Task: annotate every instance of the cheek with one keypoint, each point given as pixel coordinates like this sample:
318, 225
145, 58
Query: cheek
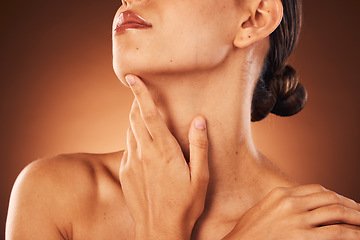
194, 42
196, 47
200, 53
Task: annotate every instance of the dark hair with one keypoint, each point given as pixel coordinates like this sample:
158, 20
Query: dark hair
278, 90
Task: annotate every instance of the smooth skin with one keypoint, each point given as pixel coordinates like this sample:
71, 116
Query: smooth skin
150, 191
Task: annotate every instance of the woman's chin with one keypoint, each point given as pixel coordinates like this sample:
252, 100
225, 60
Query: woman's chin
122, 69
125, 69
121, 76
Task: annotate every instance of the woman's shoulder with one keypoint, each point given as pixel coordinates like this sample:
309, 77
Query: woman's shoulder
52, 190
84, 171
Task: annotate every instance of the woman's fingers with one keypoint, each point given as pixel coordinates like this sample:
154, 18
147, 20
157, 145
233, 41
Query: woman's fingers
149, 112
140, 131
314, 196
303, 190
199, 151
336, 232
321, 199
333, 214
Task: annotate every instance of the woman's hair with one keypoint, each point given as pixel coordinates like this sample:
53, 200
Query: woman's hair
278, 90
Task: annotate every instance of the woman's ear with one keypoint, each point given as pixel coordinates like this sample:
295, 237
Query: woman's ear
263, 17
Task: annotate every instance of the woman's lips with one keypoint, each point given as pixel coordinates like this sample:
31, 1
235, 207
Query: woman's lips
130, 20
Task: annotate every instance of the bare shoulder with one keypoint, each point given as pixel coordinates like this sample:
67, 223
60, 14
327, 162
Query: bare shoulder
53, 196
81, 172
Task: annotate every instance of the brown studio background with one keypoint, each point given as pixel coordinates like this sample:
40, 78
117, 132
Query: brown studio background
59, 93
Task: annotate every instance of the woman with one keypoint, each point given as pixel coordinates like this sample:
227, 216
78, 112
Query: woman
190, 169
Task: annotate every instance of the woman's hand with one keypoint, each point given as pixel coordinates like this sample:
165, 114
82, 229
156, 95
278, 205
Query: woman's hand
165, 194
308, 212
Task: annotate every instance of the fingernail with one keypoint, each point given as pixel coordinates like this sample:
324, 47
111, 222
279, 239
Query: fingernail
130, 79
200, 123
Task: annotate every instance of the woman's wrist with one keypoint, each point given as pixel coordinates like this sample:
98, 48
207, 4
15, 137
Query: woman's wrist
168, 230
161, 233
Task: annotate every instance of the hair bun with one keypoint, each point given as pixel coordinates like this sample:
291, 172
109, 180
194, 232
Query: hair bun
289, 94
281, 95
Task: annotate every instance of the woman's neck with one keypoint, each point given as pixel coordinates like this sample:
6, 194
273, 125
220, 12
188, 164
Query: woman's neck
223, 97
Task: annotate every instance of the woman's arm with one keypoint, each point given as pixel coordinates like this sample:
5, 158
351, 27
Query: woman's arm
164, 193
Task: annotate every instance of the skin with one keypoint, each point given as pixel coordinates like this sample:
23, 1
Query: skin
175, 180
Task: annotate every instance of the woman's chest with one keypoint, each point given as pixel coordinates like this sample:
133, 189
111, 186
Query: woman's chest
111, 221
115, 223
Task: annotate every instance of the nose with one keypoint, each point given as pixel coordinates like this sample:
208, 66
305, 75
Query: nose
129, 3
